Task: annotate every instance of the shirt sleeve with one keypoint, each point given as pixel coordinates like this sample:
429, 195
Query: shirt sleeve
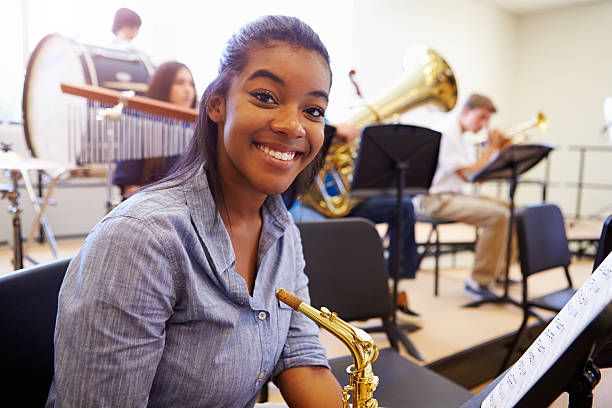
302, 347
453, 155
114, 302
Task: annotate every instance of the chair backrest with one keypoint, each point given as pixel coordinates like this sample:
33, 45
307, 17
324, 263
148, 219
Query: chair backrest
346, 267
605, 242
28, 307
542, 240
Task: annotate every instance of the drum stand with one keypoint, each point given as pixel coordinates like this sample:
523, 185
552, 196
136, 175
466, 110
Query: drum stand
40, 205
12, 193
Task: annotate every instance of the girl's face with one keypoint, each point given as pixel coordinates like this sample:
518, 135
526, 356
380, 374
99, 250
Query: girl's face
182, 91
271, 120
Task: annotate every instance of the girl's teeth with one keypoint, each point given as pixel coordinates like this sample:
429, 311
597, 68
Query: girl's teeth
277, 155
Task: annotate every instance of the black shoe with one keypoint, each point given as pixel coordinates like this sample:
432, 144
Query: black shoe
502, 282
407, 311
406, 315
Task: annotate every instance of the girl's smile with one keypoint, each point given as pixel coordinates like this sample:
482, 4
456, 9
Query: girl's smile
281, 157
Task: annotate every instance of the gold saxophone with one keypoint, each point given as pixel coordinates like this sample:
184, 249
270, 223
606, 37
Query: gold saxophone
362, 381
428, 80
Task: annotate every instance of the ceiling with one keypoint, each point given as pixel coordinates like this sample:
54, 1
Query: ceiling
525, 7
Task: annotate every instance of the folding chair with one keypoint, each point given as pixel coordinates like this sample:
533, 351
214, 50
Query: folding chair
434, 223
348, 274
28, 307
543, 245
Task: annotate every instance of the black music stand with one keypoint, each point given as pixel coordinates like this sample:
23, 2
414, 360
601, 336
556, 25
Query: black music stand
573, 372
509, 165
396, 159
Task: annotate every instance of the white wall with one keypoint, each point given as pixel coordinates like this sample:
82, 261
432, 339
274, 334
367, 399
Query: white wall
476, 39
564, 68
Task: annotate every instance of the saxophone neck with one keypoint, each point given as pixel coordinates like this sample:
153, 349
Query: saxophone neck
361, 345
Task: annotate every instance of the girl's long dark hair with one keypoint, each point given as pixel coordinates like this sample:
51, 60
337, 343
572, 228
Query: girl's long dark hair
203, 146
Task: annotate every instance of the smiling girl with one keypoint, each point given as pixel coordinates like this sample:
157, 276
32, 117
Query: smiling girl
170, 301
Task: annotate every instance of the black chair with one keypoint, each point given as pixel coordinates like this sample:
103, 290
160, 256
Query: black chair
28, 307
603, 359
348, 274
605, 242
543, 245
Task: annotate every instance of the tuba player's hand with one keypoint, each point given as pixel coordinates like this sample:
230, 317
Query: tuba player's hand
346, 131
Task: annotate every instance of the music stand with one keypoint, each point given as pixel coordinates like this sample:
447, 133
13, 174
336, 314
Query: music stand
509, 164
563, 358
396, 159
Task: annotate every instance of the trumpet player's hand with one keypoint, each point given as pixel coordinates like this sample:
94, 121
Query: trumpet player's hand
498, 140
346, 131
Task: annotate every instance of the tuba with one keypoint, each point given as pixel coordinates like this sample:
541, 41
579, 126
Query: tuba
363, 382
429, 80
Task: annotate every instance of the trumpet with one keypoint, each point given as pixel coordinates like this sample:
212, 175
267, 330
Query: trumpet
362, 381
540, 121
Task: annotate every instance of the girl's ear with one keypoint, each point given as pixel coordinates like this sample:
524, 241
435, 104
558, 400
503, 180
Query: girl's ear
216, 109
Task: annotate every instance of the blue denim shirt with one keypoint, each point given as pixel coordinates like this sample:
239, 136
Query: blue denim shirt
153, 313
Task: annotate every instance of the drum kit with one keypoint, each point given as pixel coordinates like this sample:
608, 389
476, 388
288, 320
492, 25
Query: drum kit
16, 167
50, 117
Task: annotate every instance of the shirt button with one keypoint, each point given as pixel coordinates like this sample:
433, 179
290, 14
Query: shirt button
262, 315
262, 375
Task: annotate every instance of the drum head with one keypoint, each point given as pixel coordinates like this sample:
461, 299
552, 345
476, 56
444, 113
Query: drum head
45, 108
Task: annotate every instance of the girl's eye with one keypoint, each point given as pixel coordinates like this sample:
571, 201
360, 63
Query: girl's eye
315, 112
264, 96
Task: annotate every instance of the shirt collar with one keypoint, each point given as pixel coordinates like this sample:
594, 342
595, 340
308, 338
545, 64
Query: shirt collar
211, 229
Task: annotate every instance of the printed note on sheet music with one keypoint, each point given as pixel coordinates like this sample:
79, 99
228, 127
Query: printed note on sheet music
576, 315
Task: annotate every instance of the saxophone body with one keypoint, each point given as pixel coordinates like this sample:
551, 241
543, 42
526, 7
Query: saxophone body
362, 382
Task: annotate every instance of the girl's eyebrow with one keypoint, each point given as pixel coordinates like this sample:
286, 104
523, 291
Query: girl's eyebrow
264, 73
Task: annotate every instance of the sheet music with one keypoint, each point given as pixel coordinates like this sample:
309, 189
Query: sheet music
576, 315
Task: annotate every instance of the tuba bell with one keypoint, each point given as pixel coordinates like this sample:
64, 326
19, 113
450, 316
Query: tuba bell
429, 80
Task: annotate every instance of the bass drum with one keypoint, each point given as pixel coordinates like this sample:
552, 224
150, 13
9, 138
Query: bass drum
49, 114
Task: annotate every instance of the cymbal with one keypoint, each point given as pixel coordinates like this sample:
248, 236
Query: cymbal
14, 161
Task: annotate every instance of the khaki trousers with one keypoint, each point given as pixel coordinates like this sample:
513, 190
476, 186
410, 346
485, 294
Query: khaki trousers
491, 216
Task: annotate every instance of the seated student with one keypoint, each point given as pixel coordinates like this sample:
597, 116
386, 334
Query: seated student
378, 210
448, 199
172, 82
171, 302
